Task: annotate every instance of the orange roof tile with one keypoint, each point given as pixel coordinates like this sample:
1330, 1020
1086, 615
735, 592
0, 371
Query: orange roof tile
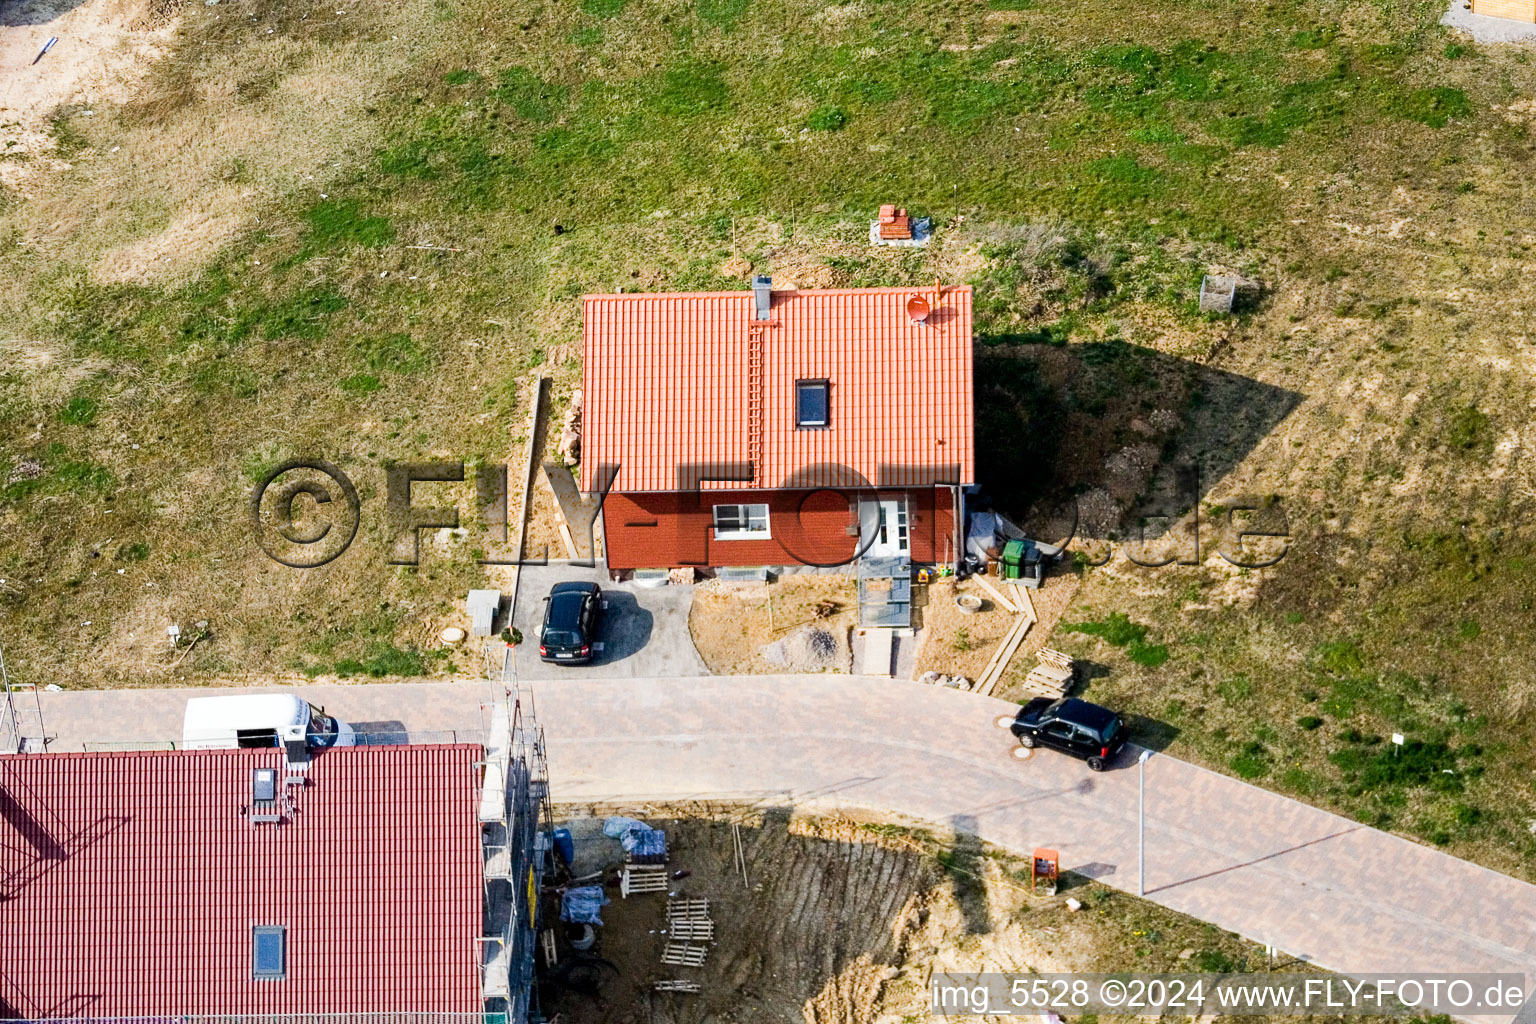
669, 382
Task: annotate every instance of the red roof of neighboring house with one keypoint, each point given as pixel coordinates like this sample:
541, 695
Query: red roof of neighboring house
669, 381
130, 883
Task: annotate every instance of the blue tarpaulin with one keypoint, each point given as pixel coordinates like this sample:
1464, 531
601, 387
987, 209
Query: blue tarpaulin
614, 828
581, 905
645, 842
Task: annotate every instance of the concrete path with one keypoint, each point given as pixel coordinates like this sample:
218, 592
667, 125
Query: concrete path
644, 631
1315, 885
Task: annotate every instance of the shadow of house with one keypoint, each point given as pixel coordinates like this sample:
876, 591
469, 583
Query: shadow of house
1105, 440
17, 13
626, 627
963, 863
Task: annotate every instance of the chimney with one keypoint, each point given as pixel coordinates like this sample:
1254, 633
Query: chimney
762, 297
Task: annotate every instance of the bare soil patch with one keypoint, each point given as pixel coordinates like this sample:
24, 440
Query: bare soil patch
955, 643
733, 623
105, 47
842, 920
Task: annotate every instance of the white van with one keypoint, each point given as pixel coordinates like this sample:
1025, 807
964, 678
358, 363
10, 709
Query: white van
260, 720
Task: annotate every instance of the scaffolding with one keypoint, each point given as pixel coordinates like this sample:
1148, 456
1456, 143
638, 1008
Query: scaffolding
21, 716
516, 829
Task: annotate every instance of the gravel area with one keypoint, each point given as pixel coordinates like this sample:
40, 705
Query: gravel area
1485, 29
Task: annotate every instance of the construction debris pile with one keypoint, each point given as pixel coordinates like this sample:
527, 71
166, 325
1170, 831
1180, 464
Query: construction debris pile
940, 679
806, 649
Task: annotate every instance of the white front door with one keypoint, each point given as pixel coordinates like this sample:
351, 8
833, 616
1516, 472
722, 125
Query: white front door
883, 524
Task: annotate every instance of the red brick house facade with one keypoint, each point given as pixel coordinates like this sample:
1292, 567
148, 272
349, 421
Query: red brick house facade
789, 428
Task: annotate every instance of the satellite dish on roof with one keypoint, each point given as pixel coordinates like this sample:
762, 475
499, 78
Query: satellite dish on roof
918, 309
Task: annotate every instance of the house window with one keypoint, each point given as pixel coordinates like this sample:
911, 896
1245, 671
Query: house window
741, 522
812, 404
269, 957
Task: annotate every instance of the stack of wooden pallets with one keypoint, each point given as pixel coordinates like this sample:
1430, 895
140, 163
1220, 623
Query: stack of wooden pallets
688, 927
1052, 677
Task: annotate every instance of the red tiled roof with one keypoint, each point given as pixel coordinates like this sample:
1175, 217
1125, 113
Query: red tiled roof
130, 882
669, 381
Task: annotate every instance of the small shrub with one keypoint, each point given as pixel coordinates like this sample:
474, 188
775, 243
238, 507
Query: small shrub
1309, 722
603, 8
1468, 629
461, 77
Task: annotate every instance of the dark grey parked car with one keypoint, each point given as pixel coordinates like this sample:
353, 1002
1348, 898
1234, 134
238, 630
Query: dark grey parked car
1073, 727
573, 613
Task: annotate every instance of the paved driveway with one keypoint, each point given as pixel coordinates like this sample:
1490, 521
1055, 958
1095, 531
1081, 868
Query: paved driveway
1313, 884
644, 632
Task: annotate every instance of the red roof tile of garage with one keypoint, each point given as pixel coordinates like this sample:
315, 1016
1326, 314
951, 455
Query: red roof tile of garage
130, 882
667, 383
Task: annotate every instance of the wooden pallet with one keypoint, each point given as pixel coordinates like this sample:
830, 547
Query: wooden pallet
691, 931
684, 954
1053, 676
638, 878
677, 985
683, 909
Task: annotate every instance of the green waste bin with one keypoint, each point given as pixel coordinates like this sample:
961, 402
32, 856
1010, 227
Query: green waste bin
1013, 559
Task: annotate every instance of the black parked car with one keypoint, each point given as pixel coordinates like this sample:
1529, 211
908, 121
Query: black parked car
572, 614
1072, 726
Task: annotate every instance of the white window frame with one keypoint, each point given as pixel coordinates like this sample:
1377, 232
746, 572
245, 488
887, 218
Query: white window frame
740, 522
